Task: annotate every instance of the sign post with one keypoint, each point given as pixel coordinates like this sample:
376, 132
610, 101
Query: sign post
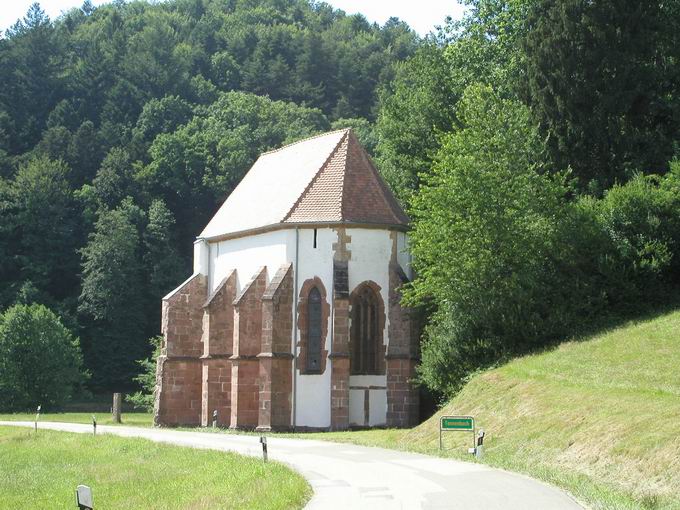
457, 424
117, 408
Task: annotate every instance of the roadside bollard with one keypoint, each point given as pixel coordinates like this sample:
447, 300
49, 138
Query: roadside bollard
84, 498
37, 415
263, 440
215, 419
479, 450
94, 425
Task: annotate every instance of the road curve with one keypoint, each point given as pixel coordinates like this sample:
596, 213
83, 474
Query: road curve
350, 477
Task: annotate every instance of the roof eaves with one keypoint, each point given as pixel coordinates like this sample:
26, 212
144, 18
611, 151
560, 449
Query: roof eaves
400, 226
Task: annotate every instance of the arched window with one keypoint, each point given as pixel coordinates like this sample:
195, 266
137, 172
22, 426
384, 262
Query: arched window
366, 335
314, 331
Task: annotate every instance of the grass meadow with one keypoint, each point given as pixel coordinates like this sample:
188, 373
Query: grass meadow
42, 471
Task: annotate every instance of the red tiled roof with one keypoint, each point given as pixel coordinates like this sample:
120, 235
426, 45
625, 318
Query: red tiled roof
325, 179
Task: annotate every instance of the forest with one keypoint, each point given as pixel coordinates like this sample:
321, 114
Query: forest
532, 142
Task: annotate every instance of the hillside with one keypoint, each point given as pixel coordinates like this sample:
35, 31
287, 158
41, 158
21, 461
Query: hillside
607, 409
599, 417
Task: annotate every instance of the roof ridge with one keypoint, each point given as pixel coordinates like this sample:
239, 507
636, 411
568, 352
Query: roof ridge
317, 174
303, 140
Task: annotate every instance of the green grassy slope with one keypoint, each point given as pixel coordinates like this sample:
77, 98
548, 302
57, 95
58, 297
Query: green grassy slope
46, 467
606, 409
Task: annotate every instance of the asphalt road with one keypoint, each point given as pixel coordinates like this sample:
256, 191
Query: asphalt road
352, 477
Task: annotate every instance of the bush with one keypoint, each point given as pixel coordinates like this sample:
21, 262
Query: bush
642, 222
144, 399
40, 360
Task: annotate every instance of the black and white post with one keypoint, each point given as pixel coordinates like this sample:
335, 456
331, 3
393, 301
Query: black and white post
84, 498
263, 440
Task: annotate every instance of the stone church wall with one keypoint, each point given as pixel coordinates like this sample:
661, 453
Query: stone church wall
228, 342
179, 371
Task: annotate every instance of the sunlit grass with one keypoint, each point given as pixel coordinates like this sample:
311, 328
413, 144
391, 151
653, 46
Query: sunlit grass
131, 419
42, 471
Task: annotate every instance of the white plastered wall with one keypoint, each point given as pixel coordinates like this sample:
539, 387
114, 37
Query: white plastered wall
371, 252
248, 254
313, 402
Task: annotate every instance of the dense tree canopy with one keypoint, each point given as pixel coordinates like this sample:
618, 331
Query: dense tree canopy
123, 127
518, 139
603, 82
485, 224
420, 104
534, 143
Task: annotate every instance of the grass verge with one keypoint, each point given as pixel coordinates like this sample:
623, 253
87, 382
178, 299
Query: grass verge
131, 419
42, 471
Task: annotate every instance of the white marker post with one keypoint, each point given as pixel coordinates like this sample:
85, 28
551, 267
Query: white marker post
479, 450
84, 497
37, 416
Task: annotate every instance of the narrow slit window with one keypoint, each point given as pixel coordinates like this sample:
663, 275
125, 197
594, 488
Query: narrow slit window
314, 238
314, 331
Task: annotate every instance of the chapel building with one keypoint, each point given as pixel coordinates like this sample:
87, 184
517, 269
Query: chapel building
292, 317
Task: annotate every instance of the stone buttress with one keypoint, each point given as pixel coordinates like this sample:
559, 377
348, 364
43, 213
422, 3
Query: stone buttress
178, 374
218, 333
227, 352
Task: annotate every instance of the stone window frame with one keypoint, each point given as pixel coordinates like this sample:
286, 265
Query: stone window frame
379, 365
303, 324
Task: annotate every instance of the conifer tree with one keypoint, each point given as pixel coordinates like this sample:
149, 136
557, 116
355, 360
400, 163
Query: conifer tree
42, 218
111, 300
602, 82
161, 260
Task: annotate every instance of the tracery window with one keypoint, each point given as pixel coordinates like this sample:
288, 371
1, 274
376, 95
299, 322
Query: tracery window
366, 336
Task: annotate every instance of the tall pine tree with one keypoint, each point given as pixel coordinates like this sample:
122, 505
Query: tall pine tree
42, 218
161, 259
111, 300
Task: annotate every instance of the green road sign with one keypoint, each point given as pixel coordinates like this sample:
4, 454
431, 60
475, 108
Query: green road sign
464, 423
